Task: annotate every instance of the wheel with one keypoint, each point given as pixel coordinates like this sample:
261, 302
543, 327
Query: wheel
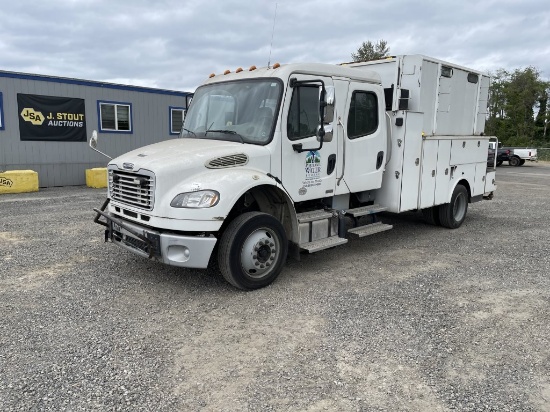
499, 162
521, 162
252, 250
514, 161
431, 215
452, 214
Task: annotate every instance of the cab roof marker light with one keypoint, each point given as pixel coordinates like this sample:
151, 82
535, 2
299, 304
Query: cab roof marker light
240, 69
212, 75
276, 65
252, 68
227, 72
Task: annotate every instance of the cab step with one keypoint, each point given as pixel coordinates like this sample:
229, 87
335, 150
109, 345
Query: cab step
322, 244
366, 210
371, 229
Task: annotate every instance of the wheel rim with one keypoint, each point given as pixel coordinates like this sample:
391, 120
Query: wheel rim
459, 208
260, 252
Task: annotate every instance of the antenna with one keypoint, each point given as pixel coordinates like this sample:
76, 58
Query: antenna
272, 33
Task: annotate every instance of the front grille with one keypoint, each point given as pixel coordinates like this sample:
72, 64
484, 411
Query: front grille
133, 189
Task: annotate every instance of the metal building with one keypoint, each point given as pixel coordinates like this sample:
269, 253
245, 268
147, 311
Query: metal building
45, 123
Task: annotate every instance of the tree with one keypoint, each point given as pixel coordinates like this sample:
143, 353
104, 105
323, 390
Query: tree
369, 51
541, 122
514, 96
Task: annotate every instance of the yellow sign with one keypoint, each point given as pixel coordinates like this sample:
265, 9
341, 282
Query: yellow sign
29, 115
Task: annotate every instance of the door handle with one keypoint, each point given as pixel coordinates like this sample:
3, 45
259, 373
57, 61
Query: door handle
379, 159
331, 165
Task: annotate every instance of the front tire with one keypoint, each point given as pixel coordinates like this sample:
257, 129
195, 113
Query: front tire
499, 162
252, 250
451, 215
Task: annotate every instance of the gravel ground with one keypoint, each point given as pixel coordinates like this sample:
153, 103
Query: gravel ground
418, 318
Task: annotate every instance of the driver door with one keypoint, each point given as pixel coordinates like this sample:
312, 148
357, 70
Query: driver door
310, 174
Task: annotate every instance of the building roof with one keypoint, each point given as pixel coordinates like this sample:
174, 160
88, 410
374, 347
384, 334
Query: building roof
90, 83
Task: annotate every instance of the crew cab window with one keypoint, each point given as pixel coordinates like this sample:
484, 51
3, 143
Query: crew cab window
363, 114
303, 115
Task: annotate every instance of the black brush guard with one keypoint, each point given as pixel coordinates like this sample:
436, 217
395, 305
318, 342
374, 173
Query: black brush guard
150, 243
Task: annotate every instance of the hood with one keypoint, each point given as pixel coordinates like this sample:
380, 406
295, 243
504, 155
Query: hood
183, 154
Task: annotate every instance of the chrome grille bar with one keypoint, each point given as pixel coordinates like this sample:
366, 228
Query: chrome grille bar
133, 189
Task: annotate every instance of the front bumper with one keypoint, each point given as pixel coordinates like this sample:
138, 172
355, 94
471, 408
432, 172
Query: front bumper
170, 248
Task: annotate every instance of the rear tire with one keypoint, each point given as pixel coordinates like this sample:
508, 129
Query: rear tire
252, 250
514, 161
431, 215
521, 162
451, 215
499, 162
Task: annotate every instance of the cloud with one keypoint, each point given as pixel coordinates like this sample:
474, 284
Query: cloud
177, 44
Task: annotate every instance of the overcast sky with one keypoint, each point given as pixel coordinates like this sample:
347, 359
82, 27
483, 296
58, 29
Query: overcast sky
177, 44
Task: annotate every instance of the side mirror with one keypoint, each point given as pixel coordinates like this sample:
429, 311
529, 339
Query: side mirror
93, 140
327, 136
326, 111
329, 100
93, 144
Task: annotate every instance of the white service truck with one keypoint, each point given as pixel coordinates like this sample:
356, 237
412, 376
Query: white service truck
300, 158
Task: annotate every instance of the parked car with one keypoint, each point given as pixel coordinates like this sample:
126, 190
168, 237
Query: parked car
514, 156
518, 156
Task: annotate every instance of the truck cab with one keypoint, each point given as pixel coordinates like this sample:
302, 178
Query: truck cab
292, 158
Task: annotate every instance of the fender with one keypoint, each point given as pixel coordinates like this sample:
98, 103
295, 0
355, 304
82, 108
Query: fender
461, 175
231, 184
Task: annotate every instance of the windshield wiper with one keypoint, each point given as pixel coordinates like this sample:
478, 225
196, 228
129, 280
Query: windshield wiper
232, 132
188, 131
221, 131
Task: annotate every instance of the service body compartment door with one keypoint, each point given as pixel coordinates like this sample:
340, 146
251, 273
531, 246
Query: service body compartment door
401, 181
310, 174
410, 178
479, 182
443, 172
469, 149
428, 179
490, 182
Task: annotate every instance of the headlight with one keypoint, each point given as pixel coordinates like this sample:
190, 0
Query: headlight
196, 200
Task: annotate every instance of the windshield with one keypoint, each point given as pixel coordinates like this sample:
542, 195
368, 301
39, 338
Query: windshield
241, 111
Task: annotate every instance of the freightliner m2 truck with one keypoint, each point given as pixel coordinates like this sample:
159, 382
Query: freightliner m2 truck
300, 158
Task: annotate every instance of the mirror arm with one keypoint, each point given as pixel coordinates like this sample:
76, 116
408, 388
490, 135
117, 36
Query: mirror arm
93, 144
107, 156
297, 147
